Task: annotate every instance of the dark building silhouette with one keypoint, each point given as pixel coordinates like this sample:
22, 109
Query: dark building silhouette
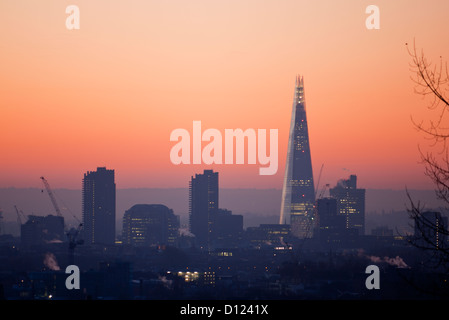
350, 203
117, 277
99, 206
431, 230
150, 224
331, 224
40, 230
267, 234
203, 205
212, 226
382, 231
298, 194
226, 229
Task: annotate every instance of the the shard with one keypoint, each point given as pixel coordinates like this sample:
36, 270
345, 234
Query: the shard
298, 193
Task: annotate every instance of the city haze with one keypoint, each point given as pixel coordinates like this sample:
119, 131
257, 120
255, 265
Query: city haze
256, 205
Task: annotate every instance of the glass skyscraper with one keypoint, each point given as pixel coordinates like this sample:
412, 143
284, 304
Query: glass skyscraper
298, 193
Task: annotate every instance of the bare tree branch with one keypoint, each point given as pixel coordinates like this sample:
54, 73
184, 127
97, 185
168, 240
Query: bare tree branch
430, 80
432, 83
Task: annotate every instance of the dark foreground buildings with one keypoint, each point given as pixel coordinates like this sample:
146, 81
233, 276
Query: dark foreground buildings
38, 230
264, 262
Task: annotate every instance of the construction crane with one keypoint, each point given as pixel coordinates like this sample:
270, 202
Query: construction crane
72, 234
52, 197
20, 215
1, 221
319, 178
323, 191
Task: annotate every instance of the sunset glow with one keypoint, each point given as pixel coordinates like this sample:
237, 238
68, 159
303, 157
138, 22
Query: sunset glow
110, 93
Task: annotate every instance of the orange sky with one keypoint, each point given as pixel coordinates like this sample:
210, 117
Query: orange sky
110, 93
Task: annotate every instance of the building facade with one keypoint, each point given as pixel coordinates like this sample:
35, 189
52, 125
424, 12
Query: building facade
331, 225
150, 224
268, 234
203, 205
99, 201
350, 203
227, 229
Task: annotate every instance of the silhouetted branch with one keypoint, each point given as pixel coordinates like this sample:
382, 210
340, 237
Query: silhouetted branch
430, 237
431, 82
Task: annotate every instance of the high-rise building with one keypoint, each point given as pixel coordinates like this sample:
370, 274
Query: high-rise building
203, 205
298, 193
99, 206
350, 203
150, 224
431, 229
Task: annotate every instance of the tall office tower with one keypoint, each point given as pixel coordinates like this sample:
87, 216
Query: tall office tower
431, 229
350, 203
203, 205
298, 193
99, 207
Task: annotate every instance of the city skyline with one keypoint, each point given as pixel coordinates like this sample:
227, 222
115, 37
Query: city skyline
63, 91
151, 249
183, 174
219, 258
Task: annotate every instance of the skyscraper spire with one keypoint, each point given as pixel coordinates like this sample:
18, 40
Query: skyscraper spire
299, 91
298, 193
